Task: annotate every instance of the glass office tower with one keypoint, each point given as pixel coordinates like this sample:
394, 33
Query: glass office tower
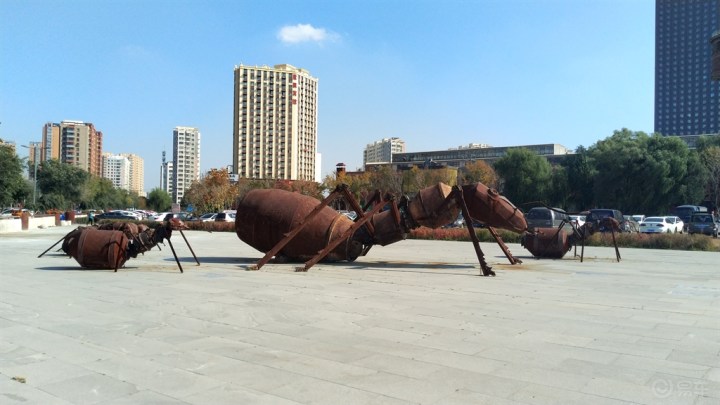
687, 100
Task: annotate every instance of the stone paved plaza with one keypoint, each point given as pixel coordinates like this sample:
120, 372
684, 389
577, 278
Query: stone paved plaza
411, 323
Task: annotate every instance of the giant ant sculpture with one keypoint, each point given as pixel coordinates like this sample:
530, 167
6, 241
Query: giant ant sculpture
110, 245
556, 242
300, 228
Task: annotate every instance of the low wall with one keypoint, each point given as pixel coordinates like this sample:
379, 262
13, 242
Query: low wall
8, 225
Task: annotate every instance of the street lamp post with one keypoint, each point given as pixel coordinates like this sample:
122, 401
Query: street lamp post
35, 159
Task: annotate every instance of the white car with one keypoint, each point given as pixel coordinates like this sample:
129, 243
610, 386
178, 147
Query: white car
677, 224
578, 220
660, 225
159, 217
207, 217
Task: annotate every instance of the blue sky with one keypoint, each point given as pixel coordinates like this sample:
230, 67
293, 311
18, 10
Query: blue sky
437, 74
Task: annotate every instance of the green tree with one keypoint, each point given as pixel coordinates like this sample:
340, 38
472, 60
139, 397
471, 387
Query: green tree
12, 183
99, 193
636, 172
710, 158
159, 200
580, 174
524, 176
61, 184
559, 190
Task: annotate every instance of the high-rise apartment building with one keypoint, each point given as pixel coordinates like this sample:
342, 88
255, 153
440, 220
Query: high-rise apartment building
116, 168
186, 160
74, 142
687, 101
166, 175
34, 158
275, 123
137, 173
50, 141
381, 151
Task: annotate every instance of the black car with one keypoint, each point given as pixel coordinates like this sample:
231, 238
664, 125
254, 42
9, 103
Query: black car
597, 214
704, 223
183, 216
115, 215
543, 217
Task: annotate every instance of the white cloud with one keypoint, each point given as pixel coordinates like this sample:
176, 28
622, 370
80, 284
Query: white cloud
293, 34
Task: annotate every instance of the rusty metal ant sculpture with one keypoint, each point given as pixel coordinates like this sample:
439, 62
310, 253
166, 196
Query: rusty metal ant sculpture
300, 228
110, 245
556, 242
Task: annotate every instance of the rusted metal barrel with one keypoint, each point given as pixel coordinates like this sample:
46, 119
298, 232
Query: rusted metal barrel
70, 242
425, 208
387, 228
100, 249
25, 220
547, 242
489, 207
264, 217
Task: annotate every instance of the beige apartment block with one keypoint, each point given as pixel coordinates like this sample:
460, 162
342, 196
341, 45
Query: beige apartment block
74, 142
50, 141
137, 173
275, 123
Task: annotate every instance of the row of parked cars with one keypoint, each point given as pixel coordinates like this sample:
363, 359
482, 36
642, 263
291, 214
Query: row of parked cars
699, 222
225, 216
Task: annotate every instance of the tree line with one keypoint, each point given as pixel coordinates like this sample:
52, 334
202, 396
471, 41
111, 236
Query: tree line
630, 171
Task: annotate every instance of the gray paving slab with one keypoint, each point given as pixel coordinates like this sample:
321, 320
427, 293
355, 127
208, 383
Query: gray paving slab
411, 323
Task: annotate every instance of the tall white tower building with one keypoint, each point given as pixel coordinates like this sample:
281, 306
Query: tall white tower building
186, 160
275, 123
116, 168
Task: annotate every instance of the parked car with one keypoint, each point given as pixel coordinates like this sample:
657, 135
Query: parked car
638, 218
183, 216
685, 211
657, 225
116, 215
350, 214
703, 223
459, 222
629, 224
7, 213
15, 212
225, 217
678, 224
578, 220
160, 216
543, 217
595, 215
210, 216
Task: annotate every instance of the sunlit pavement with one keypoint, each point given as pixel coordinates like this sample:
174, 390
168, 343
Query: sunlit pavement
409, 323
